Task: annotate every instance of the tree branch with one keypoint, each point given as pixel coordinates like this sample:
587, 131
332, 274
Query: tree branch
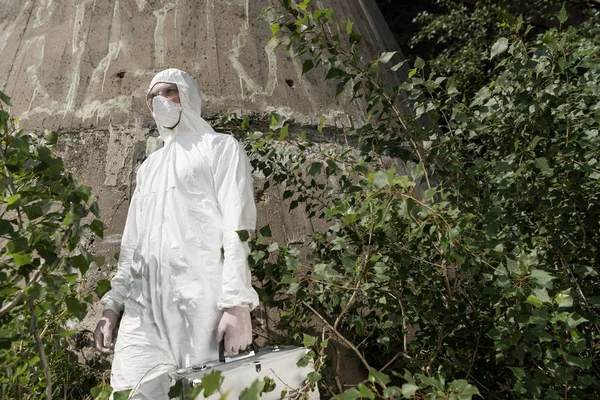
339, 335
40, 344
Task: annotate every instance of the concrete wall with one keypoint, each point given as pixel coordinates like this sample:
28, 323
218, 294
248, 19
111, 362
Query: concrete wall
86, 63
82, 67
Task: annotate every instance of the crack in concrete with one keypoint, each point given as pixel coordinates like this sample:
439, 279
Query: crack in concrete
159, 33
18, 47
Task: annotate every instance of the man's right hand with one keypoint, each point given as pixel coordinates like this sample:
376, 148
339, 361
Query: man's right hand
103, 335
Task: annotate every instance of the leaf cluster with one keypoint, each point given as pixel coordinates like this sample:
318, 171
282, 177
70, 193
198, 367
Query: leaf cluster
44, 214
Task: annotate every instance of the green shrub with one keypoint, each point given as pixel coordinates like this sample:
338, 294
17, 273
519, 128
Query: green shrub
477, 273
44, 212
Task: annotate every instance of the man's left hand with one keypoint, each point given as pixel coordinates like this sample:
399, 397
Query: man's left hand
236, 327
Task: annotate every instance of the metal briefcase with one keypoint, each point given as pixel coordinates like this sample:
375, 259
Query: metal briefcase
239, 372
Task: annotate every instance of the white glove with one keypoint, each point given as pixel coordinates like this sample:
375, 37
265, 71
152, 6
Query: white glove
237, 324
104, 332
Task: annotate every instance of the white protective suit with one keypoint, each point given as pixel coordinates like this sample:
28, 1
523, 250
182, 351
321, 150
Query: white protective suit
181, 260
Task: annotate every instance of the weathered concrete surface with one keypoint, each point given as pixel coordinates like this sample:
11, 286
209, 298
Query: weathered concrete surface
86, 63
81, 67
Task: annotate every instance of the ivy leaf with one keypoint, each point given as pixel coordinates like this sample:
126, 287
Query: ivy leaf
81, 262
386, 57
265, 231
269, 385
307, 66
355, 38
75, 307
394, 392
51, 137
364, 392
195, 392
283, 133
398, 66
21, 259
574, 320
542, 164
176, 390
466, 391
102, 286
517, 372
122, 394
277, 120
14, 200
5, 99
212, 382
409, 390
97, 227
534, 301
334, 72
482, 95
309, 340
314, 376
6, 227
499, 47
564, 299
244, 235
378, 377
315, 168
253, 392
542, 278
563, 15
102, 392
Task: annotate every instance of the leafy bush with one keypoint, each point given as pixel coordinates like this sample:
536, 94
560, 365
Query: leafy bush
43, 214
478, 271
459, 38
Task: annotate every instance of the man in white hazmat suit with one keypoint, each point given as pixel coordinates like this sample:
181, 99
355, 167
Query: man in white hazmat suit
183, 280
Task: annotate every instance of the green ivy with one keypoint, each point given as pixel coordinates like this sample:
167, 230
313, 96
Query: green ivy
44, 214
476, 273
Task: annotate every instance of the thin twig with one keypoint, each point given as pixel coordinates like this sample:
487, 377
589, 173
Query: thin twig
137, 386
7, 307
474, 353
338, 356
425, 206
404, 323
40, 344
356, 289
386, 366
339, 335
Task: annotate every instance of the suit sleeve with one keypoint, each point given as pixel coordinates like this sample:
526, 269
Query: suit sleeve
114, 299
235, 196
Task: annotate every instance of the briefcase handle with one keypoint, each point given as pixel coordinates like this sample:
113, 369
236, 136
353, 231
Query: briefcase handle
224, 359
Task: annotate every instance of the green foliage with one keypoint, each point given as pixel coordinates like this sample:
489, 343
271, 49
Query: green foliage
459, 38
44, 212
473, 272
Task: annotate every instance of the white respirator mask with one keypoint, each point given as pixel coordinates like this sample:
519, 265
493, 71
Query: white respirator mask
166, 112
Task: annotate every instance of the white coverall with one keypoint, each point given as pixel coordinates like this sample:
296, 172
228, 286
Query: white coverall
181, 261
